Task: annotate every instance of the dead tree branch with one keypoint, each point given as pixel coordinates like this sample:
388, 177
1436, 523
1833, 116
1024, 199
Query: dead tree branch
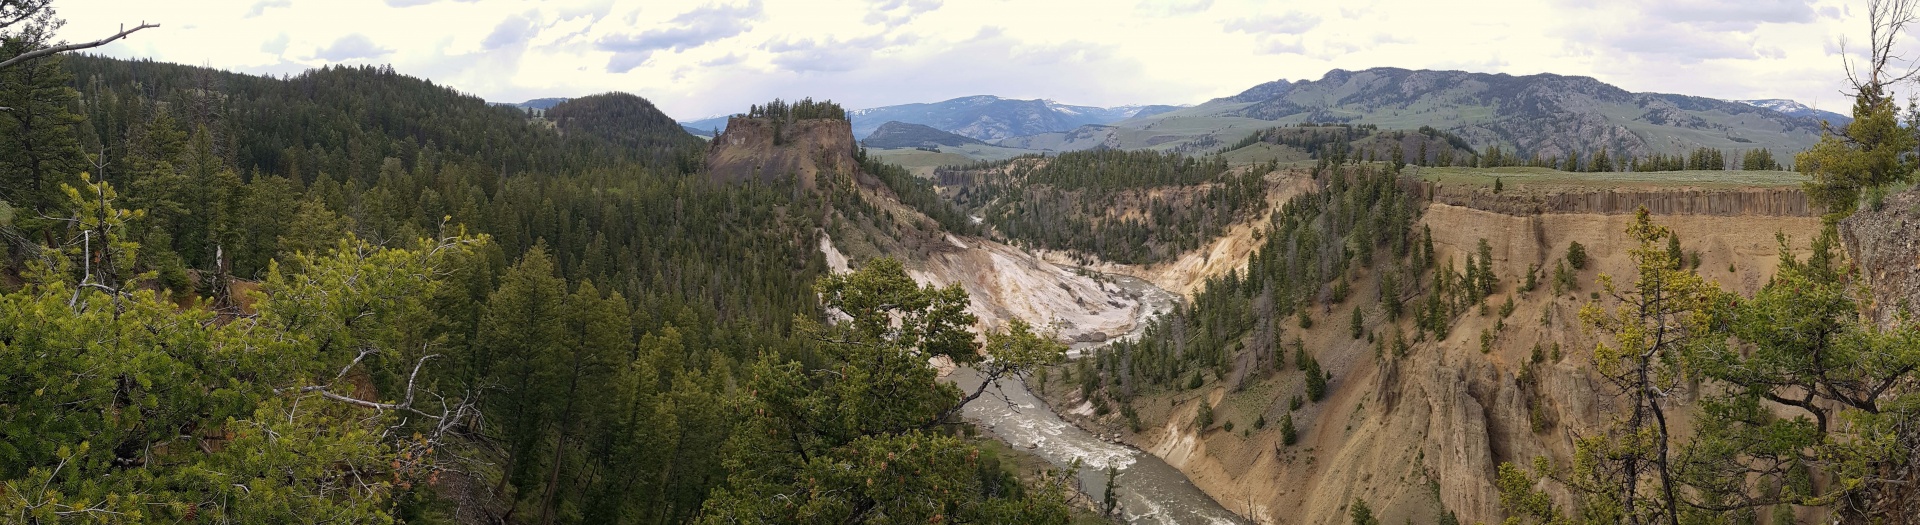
37, 53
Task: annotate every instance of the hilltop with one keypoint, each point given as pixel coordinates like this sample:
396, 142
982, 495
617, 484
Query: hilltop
1797, 109
1544, 114
895, 134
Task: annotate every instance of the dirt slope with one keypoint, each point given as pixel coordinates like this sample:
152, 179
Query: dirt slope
1185, 274
1423, 433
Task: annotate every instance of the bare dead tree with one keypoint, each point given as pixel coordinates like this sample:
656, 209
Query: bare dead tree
38, 15
1886, 20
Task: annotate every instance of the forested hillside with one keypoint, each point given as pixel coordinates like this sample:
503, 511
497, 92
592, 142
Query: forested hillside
1360, 221
1133, 207
352, 295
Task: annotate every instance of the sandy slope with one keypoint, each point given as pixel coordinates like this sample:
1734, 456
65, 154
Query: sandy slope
1415, 435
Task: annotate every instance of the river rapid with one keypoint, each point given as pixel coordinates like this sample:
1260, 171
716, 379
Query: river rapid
1149, 490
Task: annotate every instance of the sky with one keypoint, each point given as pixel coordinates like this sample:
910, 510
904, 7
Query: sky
701, 58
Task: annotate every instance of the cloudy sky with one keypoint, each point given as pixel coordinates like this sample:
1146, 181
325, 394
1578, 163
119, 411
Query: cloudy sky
698, 58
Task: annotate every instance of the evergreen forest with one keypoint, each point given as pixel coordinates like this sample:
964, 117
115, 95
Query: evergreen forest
355, 296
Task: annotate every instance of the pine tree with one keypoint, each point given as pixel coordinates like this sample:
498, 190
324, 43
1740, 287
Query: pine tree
520, 333
38, 148
1316, 380
1664, 315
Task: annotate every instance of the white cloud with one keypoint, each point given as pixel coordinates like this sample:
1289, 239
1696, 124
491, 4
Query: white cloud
1173, 7
351, 47
1289, 23
704, 57
688, 30
264, 5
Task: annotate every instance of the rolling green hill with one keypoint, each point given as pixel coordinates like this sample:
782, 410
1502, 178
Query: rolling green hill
1545, 115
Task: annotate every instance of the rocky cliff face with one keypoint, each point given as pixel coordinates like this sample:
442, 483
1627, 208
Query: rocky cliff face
1423, 434
760, 149
1884, 245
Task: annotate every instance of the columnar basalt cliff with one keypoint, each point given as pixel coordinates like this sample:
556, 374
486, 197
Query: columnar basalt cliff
1724, 202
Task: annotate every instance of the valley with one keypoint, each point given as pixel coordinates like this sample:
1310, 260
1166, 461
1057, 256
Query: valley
319, 286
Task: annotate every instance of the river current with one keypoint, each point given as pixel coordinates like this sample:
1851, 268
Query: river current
1149, 490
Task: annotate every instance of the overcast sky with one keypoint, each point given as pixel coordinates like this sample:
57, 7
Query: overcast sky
698, 58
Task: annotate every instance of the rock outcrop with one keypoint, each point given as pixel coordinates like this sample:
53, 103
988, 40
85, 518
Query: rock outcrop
761, 149
1883, 244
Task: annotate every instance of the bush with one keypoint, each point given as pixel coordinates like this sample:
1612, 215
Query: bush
1205, 418
1260, 423
1294, 403
1228, 426
1577, 255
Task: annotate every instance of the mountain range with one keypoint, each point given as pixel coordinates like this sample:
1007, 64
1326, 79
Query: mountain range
1544, 114
982, 117
1799, 110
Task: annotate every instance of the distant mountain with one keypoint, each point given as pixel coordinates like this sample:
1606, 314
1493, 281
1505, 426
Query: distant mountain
1544, 114
988, 117
539, 103
895, 134
1799, 110
983, 117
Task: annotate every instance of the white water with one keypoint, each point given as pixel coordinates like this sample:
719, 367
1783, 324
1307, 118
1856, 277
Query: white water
1149, 490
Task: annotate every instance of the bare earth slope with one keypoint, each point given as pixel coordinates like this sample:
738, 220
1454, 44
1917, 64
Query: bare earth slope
1423, 433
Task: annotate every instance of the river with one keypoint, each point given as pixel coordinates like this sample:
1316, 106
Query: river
1149, 490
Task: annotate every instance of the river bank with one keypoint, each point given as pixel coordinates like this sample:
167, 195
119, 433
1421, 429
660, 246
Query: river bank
1148, 489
